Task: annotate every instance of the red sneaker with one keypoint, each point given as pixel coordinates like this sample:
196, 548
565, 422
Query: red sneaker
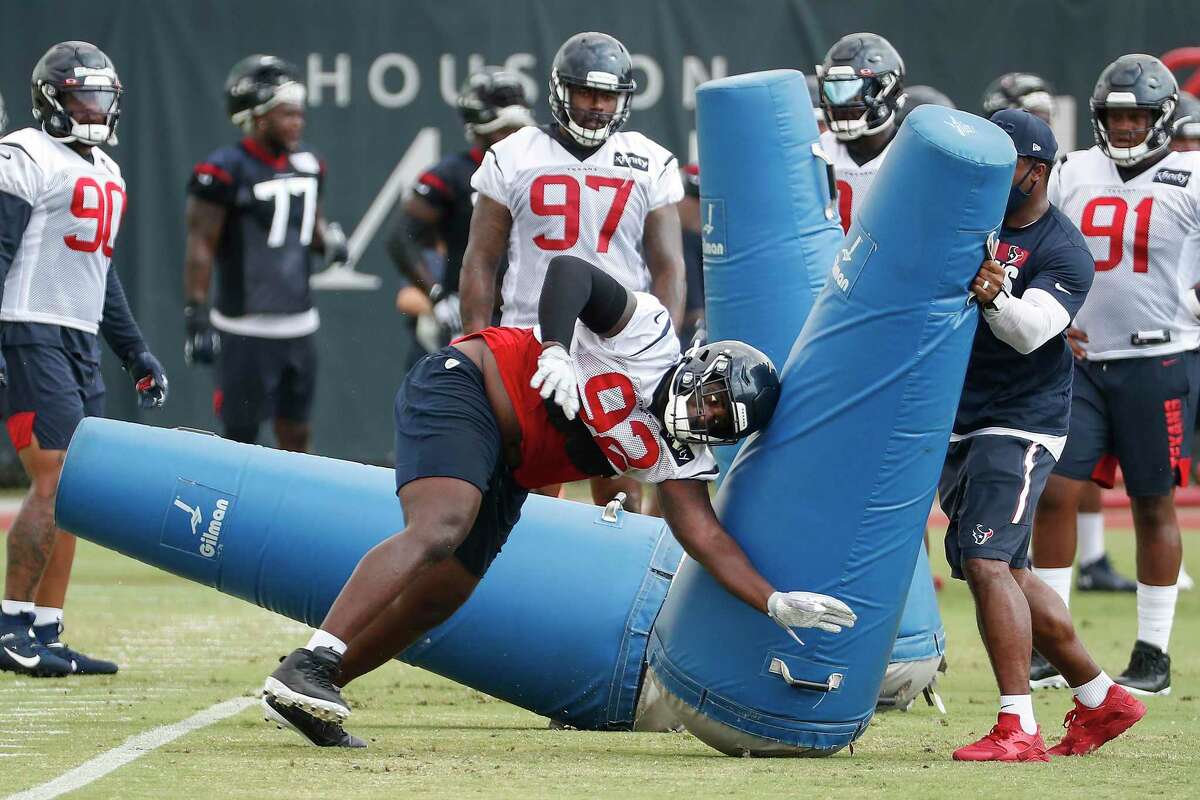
1006, 742
1089, 728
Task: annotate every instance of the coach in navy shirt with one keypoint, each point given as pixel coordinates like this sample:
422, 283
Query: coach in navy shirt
1009, 431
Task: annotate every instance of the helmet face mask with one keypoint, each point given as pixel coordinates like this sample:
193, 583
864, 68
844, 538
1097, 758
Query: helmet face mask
491, 101
77, 94
720, 393
861, 86
1131, 83
598, 62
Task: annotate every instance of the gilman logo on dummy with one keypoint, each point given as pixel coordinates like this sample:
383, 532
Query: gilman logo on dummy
209, 536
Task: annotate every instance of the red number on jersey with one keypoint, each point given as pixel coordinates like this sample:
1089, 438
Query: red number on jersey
1114, 231
89, 201
845, 201
569, 208
620, 389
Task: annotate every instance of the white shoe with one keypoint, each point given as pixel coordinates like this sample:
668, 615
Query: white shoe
1185, 582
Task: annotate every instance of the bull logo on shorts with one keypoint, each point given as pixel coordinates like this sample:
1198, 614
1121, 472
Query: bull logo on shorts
982, 534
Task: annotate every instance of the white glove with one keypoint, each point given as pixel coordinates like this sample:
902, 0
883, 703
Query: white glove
446, 312
556, 376
809, 610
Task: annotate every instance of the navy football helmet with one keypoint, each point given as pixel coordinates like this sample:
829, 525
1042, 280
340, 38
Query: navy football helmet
1019, 90
491, 100
921, 95
71, 79
862, 85
1187, 123
594, 61
258, 83
730, 374
1142, 82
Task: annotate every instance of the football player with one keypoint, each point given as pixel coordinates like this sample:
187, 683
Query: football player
1138, 207
437, 215
1019, 90
1009, 430
862, 89
254, 216
693, 255
921, 95
62, 200
505, 410
580, 186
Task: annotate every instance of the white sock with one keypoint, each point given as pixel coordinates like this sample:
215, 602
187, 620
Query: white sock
321, 638
44, 615
1022, 706
1092, 693
1156, 613
1090, 539
14, 607
1058, 579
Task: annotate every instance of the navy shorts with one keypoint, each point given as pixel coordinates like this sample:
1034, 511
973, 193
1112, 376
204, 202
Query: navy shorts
1136, 412
445, 428
50, 390
989, 488
260, 379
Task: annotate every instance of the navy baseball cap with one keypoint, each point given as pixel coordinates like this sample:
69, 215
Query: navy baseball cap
1030, 134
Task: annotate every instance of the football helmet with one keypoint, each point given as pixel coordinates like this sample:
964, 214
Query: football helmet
1019, 90
732, 374
595, 61
862, 85
1187, 121
258, 83
491, 100
921, 95
71, 79
1135, 81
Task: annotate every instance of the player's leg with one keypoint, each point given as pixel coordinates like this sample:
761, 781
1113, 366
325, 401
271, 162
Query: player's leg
43, 408
297, 387
999, 478
1096, 573
241, 400
1151, 438
605, 490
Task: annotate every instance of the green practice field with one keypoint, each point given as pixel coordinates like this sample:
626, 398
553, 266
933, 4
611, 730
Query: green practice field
183, 648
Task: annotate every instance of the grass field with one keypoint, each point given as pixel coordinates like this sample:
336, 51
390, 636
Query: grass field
183, 648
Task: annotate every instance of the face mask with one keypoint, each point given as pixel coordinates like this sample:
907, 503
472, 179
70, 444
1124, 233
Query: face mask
1016, 197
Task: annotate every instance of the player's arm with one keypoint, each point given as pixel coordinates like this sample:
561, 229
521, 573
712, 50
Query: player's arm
330, 240
14, 217
125, 339
662, 243
205, 221
689, 513
1044, 310
488, 240
414, 231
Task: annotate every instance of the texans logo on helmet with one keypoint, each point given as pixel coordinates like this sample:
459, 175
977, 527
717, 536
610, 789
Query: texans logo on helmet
982, 534
1010, 255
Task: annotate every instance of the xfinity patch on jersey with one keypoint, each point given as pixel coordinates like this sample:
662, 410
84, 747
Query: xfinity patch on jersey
1173, 177
196, 519
712, 228
631, 160
680, 452
850, 259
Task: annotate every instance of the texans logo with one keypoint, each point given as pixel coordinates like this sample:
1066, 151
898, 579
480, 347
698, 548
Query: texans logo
1009, 255
982, 534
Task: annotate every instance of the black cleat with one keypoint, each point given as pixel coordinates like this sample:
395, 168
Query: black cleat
305, 679
49, 635
1043, 675
21, 652
1099, 576
316, 731
1149, 670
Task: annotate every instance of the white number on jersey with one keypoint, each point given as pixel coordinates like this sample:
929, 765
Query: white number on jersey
281, 190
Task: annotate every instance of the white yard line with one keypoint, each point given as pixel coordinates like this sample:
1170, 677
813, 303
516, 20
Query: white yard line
134, 747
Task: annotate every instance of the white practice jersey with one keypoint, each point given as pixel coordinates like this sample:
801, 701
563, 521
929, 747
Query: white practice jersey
617, 379
593, 208
59, 273
1144, 235
853, 179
